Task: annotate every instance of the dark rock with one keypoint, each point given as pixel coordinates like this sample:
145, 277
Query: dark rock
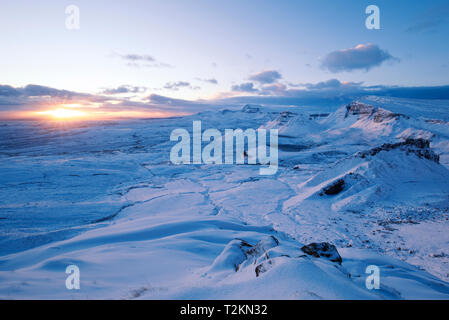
376, 114
357, 108
315, 116
323, 249
436, 121
335, 188
250, 108
263, 246
263, 267
238, 253
419, 147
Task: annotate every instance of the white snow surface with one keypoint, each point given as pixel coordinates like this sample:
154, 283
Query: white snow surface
104, 196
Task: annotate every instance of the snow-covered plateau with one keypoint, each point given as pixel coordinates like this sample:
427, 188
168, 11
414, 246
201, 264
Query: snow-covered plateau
366, 184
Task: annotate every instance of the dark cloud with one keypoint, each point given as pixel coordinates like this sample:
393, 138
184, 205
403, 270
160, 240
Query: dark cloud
273, 89
39, 91
244, 87
331, 84
333, 92
36, 94
429, 93
35, 97
172, 104
362, 57
179, 84
158, 99
118, 90
8, 91
266, 77
124, 89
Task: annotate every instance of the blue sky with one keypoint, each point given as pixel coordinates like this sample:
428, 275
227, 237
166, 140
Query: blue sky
207, 49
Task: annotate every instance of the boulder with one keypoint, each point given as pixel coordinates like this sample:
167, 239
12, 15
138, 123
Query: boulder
334, 188
323, 249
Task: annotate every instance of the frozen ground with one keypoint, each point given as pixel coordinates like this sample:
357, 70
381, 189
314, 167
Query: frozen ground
371, 178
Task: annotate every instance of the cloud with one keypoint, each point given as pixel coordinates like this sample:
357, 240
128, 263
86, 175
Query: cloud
332, 92
142, 60
180, 84
149, 65
124, 89
172, 102
138, 57
212, 80
331, 84
37, 94
9, 91
362, 57
327, 93
244, 87
336, 97
430, 20
273, 89
18, 102
266, 77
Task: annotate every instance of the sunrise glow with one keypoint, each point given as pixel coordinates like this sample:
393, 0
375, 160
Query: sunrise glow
63, 114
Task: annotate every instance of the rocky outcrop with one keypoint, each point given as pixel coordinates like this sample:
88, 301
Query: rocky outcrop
251, 108
239, 255
334, 188
323, 249
239, 252
232, 256
419, 147
357, 109
376, 114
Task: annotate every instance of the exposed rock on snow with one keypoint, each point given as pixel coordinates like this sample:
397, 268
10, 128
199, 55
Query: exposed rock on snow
232, 256
263, 246
335, 188
238, 252
377, 114
420, 147
251, 108
323, 249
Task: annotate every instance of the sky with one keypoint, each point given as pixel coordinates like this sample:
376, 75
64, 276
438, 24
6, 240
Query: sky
175, 56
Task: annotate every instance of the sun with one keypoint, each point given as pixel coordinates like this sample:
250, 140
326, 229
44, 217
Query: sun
63, 114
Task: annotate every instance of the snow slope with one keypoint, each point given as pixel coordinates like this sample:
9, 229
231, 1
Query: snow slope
369, 179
